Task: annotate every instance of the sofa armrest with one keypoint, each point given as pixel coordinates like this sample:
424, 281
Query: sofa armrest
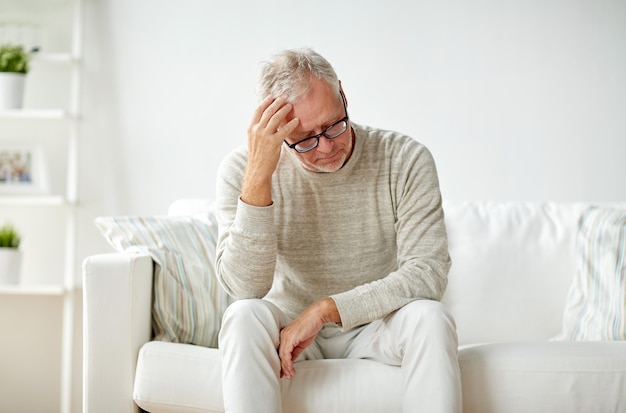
117, 298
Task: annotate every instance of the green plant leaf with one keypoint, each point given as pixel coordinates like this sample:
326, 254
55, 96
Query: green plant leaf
9, 237
13, 59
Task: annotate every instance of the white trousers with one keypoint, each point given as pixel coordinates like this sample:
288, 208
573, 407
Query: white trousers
420, 337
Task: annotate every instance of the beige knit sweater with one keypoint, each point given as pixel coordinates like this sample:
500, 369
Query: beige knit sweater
370, 235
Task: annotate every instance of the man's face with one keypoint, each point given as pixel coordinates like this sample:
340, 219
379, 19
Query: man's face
317, 110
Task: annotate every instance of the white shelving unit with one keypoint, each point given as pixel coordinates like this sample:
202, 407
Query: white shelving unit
64, 56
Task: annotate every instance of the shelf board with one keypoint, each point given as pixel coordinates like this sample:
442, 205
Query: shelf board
35, 7
53, 57
35, 114
32, 290
34, 199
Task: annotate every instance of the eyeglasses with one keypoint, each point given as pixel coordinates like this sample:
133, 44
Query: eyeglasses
331, 132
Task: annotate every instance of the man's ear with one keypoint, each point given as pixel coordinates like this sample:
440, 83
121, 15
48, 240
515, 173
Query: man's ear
343, 95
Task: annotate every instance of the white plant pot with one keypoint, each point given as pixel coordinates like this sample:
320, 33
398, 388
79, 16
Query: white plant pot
10, 266
11, 90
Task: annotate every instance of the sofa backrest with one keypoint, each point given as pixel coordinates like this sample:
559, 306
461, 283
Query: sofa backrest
512, 265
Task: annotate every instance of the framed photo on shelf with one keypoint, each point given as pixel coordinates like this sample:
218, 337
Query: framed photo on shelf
22, 169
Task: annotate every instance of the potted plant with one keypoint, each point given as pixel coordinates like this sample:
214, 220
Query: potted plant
13, 68
10, 255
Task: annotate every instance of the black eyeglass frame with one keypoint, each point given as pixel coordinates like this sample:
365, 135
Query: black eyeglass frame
319, 135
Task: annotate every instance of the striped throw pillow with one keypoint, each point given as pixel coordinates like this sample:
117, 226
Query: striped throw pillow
188, 300
595, 308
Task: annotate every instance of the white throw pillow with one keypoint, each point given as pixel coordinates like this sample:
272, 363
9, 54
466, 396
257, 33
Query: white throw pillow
188, 300
595, 308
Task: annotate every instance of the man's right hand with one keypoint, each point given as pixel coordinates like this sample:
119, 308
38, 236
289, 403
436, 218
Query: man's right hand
301, 332
266, 133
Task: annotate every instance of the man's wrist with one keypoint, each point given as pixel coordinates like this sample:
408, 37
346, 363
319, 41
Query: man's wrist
257, 192
329, 311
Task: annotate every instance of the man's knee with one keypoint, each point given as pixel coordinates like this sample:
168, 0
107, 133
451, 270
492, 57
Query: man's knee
244, 308
430, 317
244, 315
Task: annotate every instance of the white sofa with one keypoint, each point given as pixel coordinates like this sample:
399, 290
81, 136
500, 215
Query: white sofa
513, 264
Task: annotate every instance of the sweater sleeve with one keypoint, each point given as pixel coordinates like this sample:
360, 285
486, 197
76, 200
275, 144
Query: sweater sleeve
246, 246
422, 247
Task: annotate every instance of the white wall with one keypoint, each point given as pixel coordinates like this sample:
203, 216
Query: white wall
518, 100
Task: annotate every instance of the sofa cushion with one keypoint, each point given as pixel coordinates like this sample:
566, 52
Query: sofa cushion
188, 301
175, 378
524, 377
178, 378
595, 308
512, 264
564, 377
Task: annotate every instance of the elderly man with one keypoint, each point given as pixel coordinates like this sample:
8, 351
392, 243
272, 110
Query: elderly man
332, 240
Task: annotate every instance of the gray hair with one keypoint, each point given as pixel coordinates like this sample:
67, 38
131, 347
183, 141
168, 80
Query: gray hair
288, 73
